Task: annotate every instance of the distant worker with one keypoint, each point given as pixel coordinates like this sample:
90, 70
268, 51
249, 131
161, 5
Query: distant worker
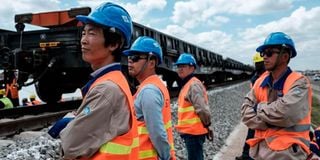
25, 102
5, 102
259, 70
278, 106
259, 67
104, 126
33, 100
12, 91
193, 109
151, 101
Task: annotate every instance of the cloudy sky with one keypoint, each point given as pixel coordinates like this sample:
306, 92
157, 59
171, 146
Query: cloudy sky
232, 28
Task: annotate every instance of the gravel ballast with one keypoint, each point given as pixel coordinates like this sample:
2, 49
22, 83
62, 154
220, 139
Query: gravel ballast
225, 103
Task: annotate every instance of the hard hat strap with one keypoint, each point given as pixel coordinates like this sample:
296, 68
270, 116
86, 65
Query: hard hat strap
278, 58
145, 64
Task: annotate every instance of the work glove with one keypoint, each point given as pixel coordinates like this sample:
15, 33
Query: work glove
55, 130
209, 135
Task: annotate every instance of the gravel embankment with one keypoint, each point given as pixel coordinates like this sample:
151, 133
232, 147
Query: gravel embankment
224, 103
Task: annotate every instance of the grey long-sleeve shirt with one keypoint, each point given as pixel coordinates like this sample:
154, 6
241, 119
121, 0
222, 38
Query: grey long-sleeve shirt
102, 116
195, 95
283, 111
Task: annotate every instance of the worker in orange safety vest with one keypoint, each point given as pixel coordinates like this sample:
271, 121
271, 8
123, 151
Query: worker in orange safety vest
194, 117
12, 91
104, 126
278, 106
151, 101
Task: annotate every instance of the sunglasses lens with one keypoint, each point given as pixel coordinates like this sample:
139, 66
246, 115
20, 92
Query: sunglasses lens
135, 58
268, 53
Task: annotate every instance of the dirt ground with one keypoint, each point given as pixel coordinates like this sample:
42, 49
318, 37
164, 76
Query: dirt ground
234, 144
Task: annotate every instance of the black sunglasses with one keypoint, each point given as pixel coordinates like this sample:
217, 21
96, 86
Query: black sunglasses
268, 52
136, 58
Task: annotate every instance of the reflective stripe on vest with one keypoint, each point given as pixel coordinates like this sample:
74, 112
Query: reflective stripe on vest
188, 120
151, 154
144, 130
146, 149
116, 148
278, 138
123, 147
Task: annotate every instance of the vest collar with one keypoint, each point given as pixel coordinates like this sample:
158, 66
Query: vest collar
99, 73
185, 80
278, 85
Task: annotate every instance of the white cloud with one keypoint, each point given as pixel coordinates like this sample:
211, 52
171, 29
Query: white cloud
201, 11
177, 31
254, 7
217, 21
303, 27
139, 10
9, 8
213, 40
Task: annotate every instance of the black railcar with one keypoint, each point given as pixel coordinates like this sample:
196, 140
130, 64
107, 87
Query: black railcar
52, 56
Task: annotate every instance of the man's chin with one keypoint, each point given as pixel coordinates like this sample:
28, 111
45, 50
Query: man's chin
132, 74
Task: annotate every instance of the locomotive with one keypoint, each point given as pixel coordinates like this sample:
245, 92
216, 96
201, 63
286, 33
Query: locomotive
52, 56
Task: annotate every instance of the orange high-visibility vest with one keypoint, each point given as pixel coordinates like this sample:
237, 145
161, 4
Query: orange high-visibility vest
279, 139
146, 149
124, 147
188, 120
13, 90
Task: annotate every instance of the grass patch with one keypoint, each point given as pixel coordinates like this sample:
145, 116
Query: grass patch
315, 115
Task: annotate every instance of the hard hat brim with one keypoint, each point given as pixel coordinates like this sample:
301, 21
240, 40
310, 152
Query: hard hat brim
182, 63
87, 19
131, 52
263, 47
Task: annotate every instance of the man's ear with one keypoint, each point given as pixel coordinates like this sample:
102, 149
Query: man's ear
113, 47
286, 56
153, 63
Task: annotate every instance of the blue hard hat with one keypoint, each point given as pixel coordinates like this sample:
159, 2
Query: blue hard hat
278, 38
111, 15
145, 45
186, 58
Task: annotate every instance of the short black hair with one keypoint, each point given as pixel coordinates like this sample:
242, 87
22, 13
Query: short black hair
113, 36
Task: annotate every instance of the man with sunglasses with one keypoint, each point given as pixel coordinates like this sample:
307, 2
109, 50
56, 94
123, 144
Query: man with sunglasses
193, 109
151, 101
278, 106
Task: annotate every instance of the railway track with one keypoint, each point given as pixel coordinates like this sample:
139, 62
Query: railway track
16, 120
19, 119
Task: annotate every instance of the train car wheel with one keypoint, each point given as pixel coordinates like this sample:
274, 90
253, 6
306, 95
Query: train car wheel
48, 92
